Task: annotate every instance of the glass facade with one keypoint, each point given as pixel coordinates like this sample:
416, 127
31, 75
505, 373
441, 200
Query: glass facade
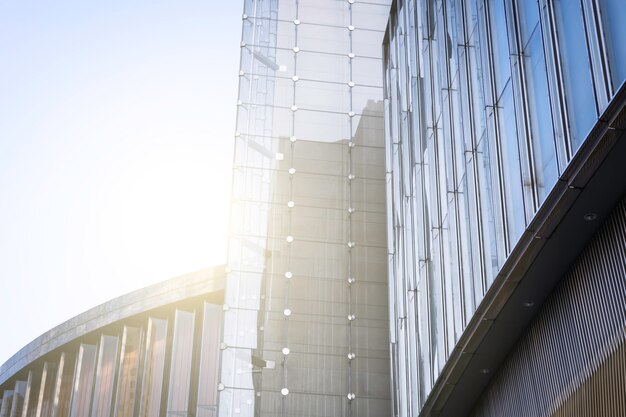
381, 180
486, 103
305, 328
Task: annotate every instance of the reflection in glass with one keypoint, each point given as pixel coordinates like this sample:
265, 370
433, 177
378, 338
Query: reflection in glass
511, 168
578, 87
500, 45
307, 256
542, 132
613, 13
323, 12
477, 108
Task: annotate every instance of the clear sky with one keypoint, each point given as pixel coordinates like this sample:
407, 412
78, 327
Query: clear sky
116, 126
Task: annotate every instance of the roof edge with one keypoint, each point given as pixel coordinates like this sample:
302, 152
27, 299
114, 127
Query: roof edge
205, 281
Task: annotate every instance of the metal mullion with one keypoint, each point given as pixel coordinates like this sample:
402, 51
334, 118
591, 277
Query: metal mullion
612, 89
350, 232
403, 288
474, 144
496, 127
558, 65
409, 242
453, 136
416, 301
436, 197
425, 235
597, 54
524, 101
547, 22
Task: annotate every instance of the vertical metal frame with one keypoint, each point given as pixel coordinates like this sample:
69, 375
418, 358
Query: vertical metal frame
502, 227
521, 105
597, 52
555, 72
547, 20
389, 176
479, 229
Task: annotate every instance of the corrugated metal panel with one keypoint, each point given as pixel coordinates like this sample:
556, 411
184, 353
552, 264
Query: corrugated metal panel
572, 359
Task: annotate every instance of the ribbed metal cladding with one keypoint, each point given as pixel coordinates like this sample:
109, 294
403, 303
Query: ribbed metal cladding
571, 361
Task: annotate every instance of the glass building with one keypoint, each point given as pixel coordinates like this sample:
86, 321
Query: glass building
503, 121
427, 220
306, 320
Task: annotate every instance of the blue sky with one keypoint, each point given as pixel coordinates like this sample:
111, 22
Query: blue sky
116, 126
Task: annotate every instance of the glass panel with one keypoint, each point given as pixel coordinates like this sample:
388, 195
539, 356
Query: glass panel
366, 71
156, 339
369, 407
325, 39
239, 402
286, 34
368, 101
322, 96
180, 369
83, 381
500, 44
370, 16
105, 376
578, 86
236, 368
321, 126
367, 43
529, 20
613, 13
323, 67
368, 128
324, 12
321, 158
542, 132
243, 289
510, 168
259, 7
209, 361
283, 91
492, 235
128, 372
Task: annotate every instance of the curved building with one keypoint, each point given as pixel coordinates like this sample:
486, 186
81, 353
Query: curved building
153, 352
